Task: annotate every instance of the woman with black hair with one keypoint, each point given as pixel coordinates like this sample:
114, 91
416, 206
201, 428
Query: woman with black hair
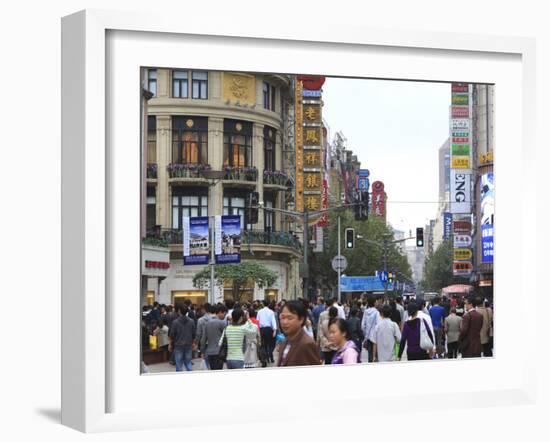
297, 348
347, 352
412, 330
240, 328
327, 348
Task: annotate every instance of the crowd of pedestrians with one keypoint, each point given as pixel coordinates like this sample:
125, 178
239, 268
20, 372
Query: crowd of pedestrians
293, 333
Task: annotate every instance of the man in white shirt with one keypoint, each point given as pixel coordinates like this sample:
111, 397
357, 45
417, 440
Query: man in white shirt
268, 330
341, 311
368, 324
386, 334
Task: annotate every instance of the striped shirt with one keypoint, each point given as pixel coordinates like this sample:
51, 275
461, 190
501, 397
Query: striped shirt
235, 339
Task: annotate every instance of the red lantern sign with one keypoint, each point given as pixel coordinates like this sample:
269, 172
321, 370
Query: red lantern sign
311, 82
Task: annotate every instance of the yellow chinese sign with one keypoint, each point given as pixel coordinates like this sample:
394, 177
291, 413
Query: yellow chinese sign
312, 202
312, 114
312, 158
312, 136
299, 149
312, 181
462, 254
462, 162
486, 158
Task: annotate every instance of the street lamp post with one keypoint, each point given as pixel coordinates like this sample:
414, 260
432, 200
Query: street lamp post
213, 177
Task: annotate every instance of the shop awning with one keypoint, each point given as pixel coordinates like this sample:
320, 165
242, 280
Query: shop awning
458, 289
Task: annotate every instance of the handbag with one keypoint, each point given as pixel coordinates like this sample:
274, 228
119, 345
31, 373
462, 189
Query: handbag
426, 342
222, 354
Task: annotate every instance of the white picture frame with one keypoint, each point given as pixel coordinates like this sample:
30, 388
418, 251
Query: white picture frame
99, 377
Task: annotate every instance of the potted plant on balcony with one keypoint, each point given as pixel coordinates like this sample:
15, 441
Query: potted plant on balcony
250, 173
152, 171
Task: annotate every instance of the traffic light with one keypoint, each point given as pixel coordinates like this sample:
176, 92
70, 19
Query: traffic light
350, 238
361, 207
390, 277
252, 208
419, 237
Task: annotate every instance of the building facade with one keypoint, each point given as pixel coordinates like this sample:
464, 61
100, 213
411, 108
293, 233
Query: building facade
483, 185
233, 122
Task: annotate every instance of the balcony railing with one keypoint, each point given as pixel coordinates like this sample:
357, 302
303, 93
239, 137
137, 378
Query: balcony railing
273, 238
186, 170
241, 173
248, 237
275, 177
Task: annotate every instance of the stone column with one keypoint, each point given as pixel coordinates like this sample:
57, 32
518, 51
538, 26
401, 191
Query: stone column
163, 83
164, 140
279, 203
258, 162
215, 159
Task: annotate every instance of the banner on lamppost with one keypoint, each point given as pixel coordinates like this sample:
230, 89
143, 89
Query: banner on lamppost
228, 239
487, 212
195, 240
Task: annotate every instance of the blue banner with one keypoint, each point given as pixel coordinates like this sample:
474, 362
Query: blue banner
487, 243
196, 248
362, 284
447, 225
228, 239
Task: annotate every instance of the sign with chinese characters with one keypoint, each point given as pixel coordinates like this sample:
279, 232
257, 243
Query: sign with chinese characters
460, 111
460, 241
460, 163
459, 87
312, 136
462, 268
462, 227
486, 158
312, 113
462, 254
460, 99
378, 199
310, 139
460, 124
487, 216
312, 202
313, 181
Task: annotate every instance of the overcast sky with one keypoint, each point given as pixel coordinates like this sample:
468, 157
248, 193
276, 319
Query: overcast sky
395, 128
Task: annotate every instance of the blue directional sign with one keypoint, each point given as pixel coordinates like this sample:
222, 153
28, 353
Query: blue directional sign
363, 183
364, 173
362, 284
383, 276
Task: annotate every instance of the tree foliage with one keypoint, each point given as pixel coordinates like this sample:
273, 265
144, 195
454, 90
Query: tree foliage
438, 268
364, 259
239, 275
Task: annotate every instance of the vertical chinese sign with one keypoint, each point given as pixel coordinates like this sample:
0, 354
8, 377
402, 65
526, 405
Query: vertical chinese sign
487, 212
310, 178
460, 179
378, 200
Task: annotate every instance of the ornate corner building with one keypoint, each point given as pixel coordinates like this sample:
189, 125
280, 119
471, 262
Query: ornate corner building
239, 123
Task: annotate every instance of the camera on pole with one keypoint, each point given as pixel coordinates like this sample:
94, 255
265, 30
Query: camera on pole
252, 208
350, 238
419, 237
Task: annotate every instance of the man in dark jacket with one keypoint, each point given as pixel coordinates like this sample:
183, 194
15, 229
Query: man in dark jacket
472, 322
182, 335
